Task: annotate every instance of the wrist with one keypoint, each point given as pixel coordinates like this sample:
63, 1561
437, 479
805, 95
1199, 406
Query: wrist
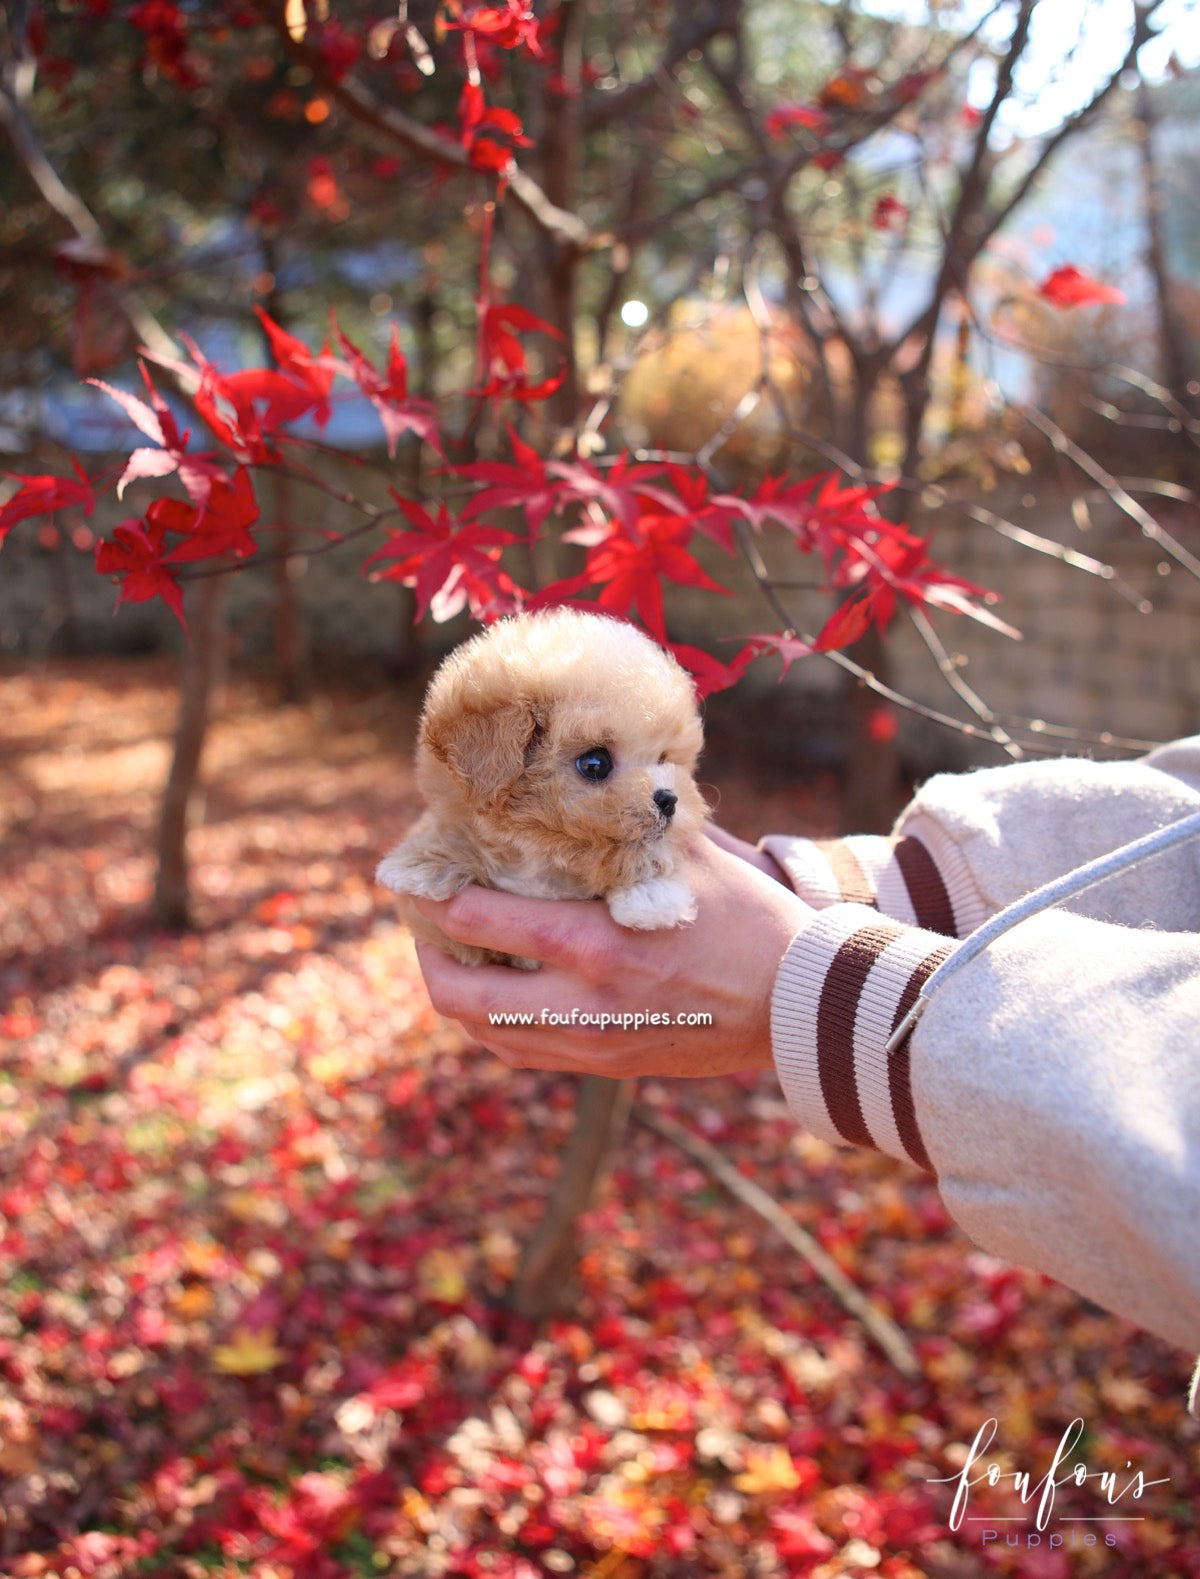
843, 985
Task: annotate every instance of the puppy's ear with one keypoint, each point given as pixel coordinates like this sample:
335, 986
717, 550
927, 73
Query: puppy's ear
486, 750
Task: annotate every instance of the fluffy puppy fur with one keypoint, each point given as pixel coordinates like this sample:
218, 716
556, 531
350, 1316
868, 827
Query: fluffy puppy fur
555, 757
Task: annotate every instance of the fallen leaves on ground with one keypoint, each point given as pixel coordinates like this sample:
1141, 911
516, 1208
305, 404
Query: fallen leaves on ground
259, 1208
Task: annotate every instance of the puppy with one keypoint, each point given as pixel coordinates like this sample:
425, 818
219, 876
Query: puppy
555, 757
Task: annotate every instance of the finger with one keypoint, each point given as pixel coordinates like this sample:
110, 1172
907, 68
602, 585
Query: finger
468, 992
723, 838
495, 996
565, 1059
526, 1054
578, 935
750, 853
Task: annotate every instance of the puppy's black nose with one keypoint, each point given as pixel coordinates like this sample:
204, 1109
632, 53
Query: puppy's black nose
666, 801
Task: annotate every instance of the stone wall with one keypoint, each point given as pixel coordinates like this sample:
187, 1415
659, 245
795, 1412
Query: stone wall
1098, 655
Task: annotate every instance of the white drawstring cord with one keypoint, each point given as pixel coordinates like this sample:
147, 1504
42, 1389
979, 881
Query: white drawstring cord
1041, 899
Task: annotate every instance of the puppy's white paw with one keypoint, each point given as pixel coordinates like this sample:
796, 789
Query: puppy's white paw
412, 870
658, 902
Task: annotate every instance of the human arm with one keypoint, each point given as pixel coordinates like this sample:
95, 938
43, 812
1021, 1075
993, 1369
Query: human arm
1052, 1086
971, 843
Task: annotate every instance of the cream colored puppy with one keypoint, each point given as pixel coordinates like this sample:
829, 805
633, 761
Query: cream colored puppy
555, 757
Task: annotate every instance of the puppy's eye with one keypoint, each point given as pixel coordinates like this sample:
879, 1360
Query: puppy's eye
595, 764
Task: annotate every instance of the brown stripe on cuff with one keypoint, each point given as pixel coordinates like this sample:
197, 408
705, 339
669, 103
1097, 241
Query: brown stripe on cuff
925, 887
836, 1010
856, 887
900, 1065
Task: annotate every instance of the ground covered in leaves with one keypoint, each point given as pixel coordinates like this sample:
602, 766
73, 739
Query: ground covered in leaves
259, 1207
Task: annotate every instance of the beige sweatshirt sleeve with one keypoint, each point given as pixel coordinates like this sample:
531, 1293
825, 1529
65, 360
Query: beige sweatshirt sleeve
1052, 1085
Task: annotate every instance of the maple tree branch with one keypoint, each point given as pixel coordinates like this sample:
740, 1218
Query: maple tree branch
778, 174
393, 126
971, 218
1034, 541
878, 1325
951, 673
16, 84
1143, 31
1173, 346
691, 32
1119, 495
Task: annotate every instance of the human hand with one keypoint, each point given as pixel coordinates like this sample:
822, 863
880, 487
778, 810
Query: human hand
747, 852
722, 966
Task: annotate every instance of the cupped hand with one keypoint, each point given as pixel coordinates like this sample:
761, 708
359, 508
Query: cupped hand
693, 1000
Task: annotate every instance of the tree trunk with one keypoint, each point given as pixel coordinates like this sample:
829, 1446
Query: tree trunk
291, 676
1172, 336
602, 1105
406, 657
601, 1110
561, 153
172, 899
871, 782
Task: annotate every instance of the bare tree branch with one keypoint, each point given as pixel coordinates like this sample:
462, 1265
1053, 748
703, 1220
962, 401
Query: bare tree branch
1120, 496
16, 84
876, 1322
691, 32
391, 126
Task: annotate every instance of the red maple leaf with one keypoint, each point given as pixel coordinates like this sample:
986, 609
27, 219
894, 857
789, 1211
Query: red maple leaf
43, 494
837, 515
157, 422
244, 409
166, 34
296, 360
481, 124
398, 412
708, 515
630, 570
502, 355
785, 644
709, 674
1071, 287
523, 485
898, 565
508, 26
338, 47
450, 567
137, 557
220, 525
795, 1535
817, 512
622, 496
248, 407
889, 213
848, 623
784, 116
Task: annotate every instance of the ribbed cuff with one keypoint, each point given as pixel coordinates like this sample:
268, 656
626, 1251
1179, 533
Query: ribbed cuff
844, 985
971, 909
900, 878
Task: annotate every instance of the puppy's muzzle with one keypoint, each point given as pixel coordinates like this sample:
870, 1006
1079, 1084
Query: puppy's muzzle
666, 800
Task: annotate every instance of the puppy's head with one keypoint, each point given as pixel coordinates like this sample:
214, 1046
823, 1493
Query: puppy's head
566, 741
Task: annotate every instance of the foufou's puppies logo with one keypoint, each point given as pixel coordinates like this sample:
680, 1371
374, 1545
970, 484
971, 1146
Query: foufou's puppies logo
1121, 1491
